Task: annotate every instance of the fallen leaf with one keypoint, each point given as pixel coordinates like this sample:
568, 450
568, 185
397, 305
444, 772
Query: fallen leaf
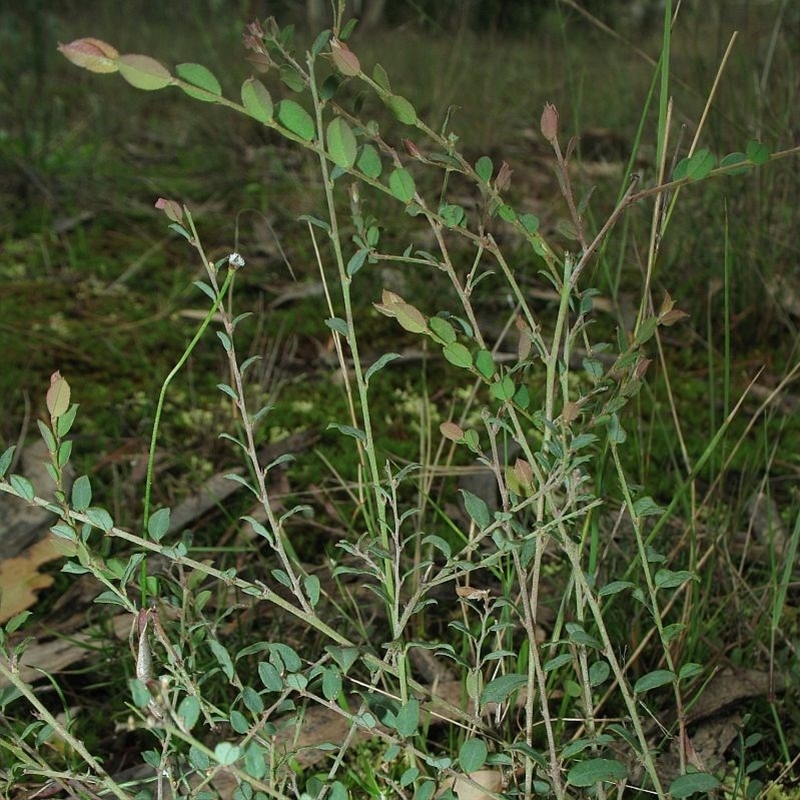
489, 781
20, 578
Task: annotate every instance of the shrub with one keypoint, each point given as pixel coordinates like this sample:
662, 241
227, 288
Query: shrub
555, 704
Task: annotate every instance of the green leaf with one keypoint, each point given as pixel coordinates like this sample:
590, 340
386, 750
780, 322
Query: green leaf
484, 168
669, 579
507, 213
7, 458
316, 222
381, 78
503, 390
239, 722
81, 493
457, 354
530, 222
252, 700
647, 507
452, 215
401, 184
291, 77
411, 318
442, 329
369, 162
407, 720
312, 587
732, 159
672, 631
690, 670
484, 363
439, 543
100, 518
257, 100
203, 83
143, 72
348, 430
472, 755
477, 509
652, 680
695, 167
357, 261
557, 662
345, 657
139, 693
296, 119
646, 330
287, 655
331, 683
616, 433
615, 587
425, 790
111, 598
338, 791
408, 777
198, 759
692, 783
342, 145
17, 621
270, 677
401, 108
255, 762
65, 422
339, 325
189, 711
499, 689
158, 524
223, 658
594, 770
380, 364
598, 673
756, 152
579, 636
226, 753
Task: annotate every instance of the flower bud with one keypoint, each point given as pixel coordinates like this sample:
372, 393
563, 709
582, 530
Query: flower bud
92, 54
549, 122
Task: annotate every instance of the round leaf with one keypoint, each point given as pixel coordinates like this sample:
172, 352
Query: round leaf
226, 753
484, 168
503, 390
407, 720
369, 162
472, 755
158, 524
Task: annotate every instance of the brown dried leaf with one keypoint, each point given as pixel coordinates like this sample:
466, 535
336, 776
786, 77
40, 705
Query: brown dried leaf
20, 578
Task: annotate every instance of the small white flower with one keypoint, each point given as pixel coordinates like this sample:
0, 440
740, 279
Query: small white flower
236, 261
